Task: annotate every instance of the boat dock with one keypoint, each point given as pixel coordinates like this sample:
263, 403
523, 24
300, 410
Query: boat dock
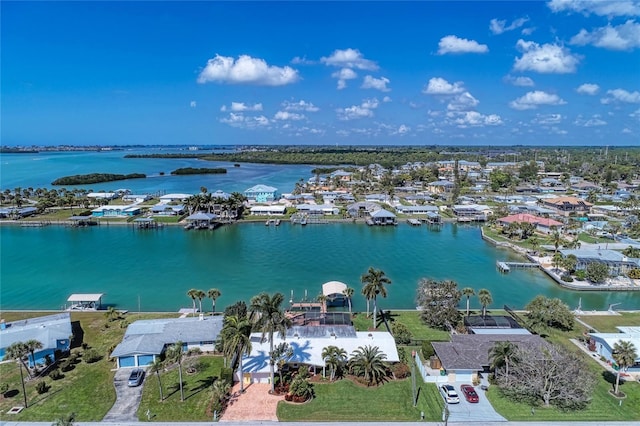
506, 266
414, 222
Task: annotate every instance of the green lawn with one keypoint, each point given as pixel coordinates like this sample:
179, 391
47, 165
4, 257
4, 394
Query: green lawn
87, 390
419, 331
346, 401
197, 393
608, 323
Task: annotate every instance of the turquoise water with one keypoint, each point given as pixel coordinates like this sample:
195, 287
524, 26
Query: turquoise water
39, 170
42, 266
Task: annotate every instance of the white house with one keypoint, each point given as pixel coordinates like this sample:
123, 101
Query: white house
276, 210
603, 343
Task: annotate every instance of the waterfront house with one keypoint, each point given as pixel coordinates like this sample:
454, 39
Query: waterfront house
136, 198
167, 210
202, 220
542, 224
116, 211
174, 198
383, 217
102, 195
567, 205
475, 212
275, 210
603, 343
146, 340
417, 210
618, 263
261, 194
53, 331
321, 209
17, 213
362, 209
307, 343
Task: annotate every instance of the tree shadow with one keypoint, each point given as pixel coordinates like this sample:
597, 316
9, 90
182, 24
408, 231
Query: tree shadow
78, 334
11, 393
610, 378
201, 385
173, 388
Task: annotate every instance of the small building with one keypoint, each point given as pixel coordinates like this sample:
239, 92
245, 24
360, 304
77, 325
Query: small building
618, 263
440, 186
17, 213
261, 193
202, 220
334, 292
85, 302
383, 217
567, 205
102, 195
321, 209
174, 198
136, 198
146, 340
53, 331
116, 211
603, 343
417, 210
167, 210
275, 210
474, 212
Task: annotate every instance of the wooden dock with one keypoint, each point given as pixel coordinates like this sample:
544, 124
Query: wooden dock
506, 266
414, 222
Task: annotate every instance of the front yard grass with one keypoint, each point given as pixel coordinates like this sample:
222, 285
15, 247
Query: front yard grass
344, 401
608, 323
197, 392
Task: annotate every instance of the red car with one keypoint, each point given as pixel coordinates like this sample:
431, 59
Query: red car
469, 393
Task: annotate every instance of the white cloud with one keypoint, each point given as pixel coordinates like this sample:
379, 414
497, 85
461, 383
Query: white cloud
301, 105
246, 70
621, 95
286, 115
635, 114
500, 26
241, 106
547, 119
519, 81
474, 119
440, 86
402, 130
588, 89
386, 99
376, 83
597, 7
349, 58
453, 44
302, 61
193, 104
365, 109
591, 122
621, 37
343, 75
546, 59
528, 31
242, 121
463, 102
531, 100
626, 131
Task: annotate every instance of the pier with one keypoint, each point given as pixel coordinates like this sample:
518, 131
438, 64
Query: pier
414, 222
506, 266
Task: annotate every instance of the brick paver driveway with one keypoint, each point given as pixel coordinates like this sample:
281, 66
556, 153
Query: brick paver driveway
255, 404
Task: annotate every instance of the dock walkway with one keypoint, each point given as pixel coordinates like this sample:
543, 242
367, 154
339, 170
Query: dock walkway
506, 266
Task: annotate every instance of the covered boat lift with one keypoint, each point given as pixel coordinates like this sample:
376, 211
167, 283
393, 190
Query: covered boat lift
85, 301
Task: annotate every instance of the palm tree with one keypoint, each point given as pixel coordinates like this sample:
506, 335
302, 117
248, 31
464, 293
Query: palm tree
200, 295
175, 353
535, 243
65, 421
335, 358
213, 294
269, 318
322, 299
237, 340
468, 291
193, 294
348, 292
33, 346
624, 354
501, 354
557, 261
485, 300
374, 284
368, 362
155, 367
17, 351
282, 353
556, 240
110, 314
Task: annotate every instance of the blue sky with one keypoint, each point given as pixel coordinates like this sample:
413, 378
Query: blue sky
561, 72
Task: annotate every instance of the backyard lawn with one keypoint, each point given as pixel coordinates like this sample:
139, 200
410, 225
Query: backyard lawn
346, 401
419, 331
608, 323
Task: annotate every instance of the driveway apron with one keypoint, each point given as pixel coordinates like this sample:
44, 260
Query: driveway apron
127, 399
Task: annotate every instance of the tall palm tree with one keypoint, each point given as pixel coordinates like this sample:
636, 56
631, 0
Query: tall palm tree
556, 240
200, 295
485, 300
213, 294
17, 351
237, 340
33, 346
373, 285
348, 293
335, 358
369, 362
156, 367
175, 354
193, 294
625, 354
269, 318
468, 291
535, 243
502, 354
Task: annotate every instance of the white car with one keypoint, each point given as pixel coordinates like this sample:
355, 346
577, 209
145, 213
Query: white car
449, 394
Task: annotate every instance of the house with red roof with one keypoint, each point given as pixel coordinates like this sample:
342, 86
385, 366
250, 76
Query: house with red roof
542, 224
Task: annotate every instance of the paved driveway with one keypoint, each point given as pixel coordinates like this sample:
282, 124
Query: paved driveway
466, 412
127, 399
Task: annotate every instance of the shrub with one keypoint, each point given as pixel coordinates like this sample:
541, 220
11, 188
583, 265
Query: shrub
91, 356
400, 370
634, 274
67, 365
427, 350
56, 374
401, 333
226, 374
4, 388
566, 278
194, 351
581, 274
85, 345
42, 387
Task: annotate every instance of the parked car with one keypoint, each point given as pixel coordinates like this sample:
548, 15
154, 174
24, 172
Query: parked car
469, 393
449, 394
136, 377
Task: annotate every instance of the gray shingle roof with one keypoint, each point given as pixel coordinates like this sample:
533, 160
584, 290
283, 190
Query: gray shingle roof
471, 351
151, 336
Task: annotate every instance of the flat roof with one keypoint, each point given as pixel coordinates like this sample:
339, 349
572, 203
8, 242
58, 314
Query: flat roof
85, 297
